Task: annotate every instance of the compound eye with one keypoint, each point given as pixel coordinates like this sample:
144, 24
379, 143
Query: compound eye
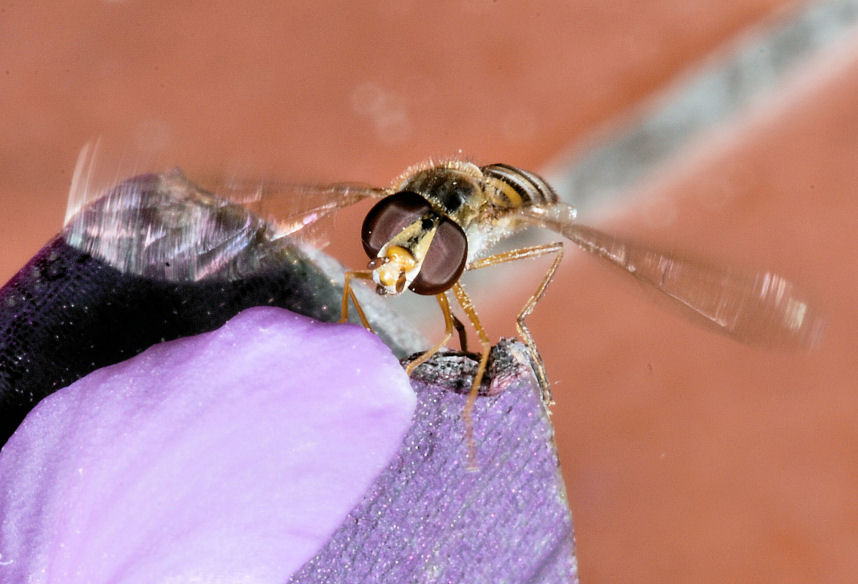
444, 261
389, 217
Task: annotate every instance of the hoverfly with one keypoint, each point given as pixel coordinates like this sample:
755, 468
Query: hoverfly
439, 220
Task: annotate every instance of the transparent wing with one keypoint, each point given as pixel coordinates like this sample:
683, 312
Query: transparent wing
760, 308
166, 227
290, 208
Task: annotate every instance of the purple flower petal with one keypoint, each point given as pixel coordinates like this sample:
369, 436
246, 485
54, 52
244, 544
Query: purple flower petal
231, 456
435, 515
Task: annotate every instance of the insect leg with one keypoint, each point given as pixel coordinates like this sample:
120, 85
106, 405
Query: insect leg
460, 330
448, 332
471, 312
520, 324
349, 293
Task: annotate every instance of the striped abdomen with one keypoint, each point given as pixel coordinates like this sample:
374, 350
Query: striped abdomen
514, 187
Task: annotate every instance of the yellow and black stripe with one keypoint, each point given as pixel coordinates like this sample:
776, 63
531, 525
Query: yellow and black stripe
514, 187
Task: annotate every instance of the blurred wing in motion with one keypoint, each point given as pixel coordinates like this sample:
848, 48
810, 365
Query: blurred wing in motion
166, 227
290, 208
287, 207
758, 308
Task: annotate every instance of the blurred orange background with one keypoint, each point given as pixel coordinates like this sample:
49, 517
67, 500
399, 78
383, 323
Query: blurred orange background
687, 457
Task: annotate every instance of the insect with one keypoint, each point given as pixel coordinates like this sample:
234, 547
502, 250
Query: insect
439, 220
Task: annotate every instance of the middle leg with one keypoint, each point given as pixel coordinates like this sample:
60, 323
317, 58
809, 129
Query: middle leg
520, 324
471, 312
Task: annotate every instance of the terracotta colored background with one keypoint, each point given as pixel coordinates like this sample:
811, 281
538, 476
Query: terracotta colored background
687, 457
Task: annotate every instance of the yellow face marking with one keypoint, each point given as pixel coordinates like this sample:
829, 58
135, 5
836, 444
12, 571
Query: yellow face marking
399, 261
401, 256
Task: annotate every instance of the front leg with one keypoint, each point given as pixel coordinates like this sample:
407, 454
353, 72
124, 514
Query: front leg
349, 293
449, 325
